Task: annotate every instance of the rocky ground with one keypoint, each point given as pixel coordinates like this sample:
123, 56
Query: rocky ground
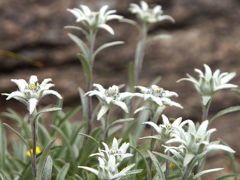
205, 32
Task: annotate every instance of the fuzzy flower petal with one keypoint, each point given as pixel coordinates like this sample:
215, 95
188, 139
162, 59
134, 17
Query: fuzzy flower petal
32, 105
147, 14
210, 82
30, 93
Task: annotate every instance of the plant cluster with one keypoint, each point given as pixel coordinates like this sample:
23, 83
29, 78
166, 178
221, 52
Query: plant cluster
114, 148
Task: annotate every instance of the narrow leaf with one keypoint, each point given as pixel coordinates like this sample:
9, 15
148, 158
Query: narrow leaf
63, 172
90, 137
224, 112
103, 110
84, 103
64, 137
3, 146
188, 158
129, 21
17, 133
47, 170
167, 158
120, 121
94, 171
150, 137
144, 159
107, 45
226, 177
80, 43
86, 67
11, 114
43, 160
66, 117
198, 175
49, 110
141, 109
114, 130
157, 166
76, 131
76, 28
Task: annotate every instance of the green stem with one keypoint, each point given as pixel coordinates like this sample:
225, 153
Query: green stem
185, 177
167, 167
106, 126
89, 127
34, 142
105, 131
91, 41
139, 55
205, 110
152, 143
150, 162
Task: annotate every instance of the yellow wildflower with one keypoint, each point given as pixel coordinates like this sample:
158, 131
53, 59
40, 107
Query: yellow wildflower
38, 151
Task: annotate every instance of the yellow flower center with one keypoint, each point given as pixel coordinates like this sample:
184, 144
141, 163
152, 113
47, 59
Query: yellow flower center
112, 91
172, 166
29, 152
156, 90
32, 86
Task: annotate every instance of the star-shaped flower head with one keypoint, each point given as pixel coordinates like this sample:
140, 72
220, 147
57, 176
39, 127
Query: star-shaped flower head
149, 15
92, 21
157, 95
109, 160
109, 97
119, 152
210, 82
193, 143
30, 93
166, 129
108, 169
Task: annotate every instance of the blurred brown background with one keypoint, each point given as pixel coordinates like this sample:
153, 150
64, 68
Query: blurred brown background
205, 31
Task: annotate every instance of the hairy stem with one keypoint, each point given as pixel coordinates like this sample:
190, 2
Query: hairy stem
106, 122
34, 142
89, 127
205, 110
150, 162
152, 143
105, 131
91, 41
139, 54
167, 167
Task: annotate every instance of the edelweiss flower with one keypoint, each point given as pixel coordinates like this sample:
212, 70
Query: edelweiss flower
108, 169
31, 93
91, 20
120, 153
109, 161
166, 129
157, 95
109, 96
190, 145
210, 82
147, 14
193, 142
